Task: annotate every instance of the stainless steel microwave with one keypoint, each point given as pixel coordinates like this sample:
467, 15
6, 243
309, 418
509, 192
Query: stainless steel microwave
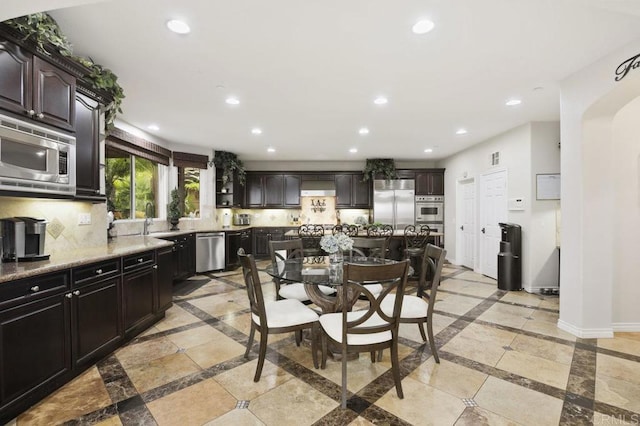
429, 209
36, 159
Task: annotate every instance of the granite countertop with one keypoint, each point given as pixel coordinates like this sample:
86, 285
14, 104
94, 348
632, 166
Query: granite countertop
117, 247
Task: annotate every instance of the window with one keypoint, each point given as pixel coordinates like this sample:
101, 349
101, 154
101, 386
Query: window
189, 186
131, 183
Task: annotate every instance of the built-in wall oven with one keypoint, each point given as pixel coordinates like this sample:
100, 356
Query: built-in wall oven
429, 209
36, 159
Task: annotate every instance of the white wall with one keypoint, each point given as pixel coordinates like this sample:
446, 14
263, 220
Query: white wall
524, 151
328, 165
590, 252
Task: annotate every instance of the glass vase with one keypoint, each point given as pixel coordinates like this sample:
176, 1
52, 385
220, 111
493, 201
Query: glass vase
336, 257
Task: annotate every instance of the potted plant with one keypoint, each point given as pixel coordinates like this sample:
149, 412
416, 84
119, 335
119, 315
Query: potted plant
384, 166
173, 210
229, 163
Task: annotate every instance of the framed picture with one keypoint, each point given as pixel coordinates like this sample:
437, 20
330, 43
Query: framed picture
548, 186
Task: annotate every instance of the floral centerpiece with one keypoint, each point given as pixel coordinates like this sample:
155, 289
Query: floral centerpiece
335, 245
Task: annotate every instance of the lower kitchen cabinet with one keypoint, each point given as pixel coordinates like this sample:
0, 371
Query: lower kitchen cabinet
164, 261
138, 291
261, 238
183, 261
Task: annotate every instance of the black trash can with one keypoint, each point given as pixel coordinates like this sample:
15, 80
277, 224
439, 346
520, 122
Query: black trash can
510, 258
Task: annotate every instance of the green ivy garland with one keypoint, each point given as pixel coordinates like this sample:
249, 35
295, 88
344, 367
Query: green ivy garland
229, 162
42, 30
383, 166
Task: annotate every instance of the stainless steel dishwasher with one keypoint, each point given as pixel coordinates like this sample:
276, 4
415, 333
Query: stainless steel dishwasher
209, 251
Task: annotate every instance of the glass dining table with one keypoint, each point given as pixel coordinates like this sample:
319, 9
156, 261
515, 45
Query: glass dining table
313, 274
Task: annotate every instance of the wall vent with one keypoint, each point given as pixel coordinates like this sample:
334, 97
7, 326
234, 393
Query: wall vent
495, 158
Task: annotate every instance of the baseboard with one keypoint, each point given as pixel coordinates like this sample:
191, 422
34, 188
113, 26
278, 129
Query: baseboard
586, 333
628, 327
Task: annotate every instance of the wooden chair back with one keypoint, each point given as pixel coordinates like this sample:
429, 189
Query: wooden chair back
369, 247
350, 230
252, 283
416, 237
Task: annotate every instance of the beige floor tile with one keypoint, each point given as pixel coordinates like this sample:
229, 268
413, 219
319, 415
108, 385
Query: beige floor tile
618, 368
360, 421
619, 393
455, 304
360, 372
215, 352
145, 352
467, 347
449, 377
622, 343
548, 329
467, 287
161, 371
206, 400
488, 334
411, 331
628, 336
522, 297
422, 405
477, 416
550, 317
111, 421
239, 381
509, 315
175, 317
83, 395
195, 336
304, 405
519, 404
535, 368
217, 305
237, 417
550, 302
543, 348
473, 276
149, 331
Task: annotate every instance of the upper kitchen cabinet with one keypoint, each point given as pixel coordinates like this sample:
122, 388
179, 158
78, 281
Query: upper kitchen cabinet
87, 147
35, 88
228, 194
430, 182
352, 191
272, 190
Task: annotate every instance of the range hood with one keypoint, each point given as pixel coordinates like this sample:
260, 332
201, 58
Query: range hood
317, 188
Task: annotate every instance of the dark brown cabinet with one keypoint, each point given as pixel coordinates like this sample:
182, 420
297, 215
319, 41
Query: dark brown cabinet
272, 190
138, 291
292, 191
229, 193
35, 340
35, 88
352, 191
261, 238
87, 146
164, 260
430, 182
183, 260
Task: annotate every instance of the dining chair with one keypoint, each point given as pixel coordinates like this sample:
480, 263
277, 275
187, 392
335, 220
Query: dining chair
415, 241
288, 250
368, 330
349, 230
380, 231
419, 309
310, 234
279, 316
369, 247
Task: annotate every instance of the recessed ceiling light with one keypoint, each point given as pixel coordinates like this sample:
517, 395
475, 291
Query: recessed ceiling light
256, 131
428, 150
353, 150
380, 100
271, 149
363, 131
423, 26
232, 101
153, 127
513, 102
461, 132
178, 27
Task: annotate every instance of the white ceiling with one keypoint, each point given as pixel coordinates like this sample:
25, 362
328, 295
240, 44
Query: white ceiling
306, 72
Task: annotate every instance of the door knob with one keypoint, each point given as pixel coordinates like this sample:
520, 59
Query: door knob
462, 228
483, 230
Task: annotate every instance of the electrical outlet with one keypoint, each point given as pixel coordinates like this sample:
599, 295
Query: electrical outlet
84, 219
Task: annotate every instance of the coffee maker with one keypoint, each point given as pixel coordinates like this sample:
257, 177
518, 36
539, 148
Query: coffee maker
23, 239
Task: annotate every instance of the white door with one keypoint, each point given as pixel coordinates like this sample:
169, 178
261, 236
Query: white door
493, 210
467, 227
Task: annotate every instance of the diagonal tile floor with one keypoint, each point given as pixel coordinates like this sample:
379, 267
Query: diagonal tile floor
503, 361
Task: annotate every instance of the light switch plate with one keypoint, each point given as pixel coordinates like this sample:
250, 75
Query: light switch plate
84, 219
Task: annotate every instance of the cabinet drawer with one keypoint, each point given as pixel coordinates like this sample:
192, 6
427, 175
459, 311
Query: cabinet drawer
137, 261
96, 271
27, 289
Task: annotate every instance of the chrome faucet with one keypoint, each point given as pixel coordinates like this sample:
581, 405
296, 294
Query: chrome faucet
148, 218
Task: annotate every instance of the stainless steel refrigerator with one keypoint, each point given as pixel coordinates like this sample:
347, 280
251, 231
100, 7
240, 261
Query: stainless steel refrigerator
394, 202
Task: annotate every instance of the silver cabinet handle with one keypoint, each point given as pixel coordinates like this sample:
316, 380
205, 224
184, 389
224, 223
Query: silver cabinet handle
41, 115
140, 260
35, 289
155, 266
77, 292
68, 295
98, 271
31, 113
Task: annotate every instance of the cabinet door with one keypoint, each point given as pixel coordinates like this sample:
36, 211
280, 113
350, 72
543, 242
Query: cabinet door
233, 242
165, 278
15, 85
291, 191
273, 190
261, 243
254, 191
361, 192
343, 190
96, 320
54, 95
87, 146
422, 183
437, 183
35, 347
138, 293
